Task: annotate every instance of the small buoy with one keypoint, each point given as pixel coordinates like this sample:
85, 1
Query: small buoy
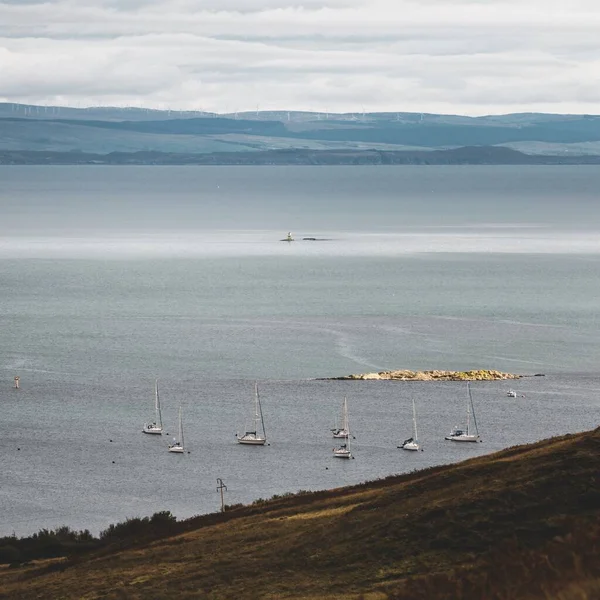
188, 452
110, 440
327, 468
113, 462
18, 448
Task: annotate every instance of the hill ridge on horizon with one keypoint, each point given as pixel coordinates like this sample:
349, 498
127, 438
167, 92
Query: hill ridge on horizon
16, 107
103, 130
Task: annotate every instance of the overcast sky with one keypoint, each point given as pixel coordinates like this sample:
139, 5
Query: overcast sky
445, 56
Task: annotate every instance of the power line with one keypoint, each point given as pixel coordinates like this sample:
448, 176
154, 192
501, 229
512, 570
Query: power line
220, 488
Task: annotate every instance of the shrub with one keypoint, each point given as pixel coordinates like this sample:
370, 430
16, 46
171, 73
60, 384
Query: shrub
10, 554
162, 518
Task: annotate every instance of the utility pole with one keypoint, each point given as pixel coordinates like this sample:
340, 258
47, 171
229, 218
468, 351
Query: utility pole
220, 488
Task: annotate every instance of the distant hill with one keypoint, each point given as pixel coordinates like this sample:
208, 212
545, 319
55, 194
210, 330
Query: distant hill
26, 128
520, 523
472, 155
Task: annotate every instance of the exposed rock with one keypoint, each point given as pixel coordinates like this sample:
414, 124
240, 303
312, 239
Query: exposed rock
405, 375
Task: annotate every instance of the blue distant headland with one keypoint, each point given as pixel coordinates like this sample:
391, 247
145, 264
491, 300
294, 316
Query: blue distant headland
33, 134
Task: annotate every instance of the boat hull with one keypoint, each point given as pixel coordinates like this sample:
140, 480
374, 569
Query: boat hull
411, 446
251, 441
341, 435
176, 449
342, 454
152, 430
464, 438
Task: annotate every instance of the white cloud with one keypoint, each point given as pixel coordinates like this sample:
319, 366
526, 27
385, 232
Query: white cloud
456, 56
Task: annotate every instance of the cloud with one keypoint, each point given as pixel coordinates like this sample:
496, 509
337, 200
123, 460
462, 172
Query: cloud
454, 56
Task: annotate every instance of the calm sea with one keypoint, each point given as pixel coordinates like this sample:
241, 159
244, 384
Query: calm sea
113, 277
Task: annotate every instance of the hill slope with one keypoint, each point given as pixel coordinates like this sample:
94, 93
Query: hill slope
106, 130
522, 523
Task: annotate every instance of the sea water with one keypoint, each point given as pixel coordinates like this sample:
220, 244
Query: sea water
112, 277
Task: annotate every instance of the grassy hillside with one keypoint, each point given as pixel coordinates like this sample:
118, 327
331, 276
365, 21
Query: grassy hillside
521, 523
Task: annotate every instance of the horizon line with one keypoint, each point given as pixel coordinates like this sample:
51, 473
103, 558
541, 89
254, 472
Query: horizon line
353, 115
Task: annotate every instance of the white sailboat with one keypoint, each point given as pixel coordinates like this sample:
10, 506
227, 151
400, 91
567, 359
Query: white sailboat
156, 427
343, 451
342, 432
255, 437
177, 445
471, 433
412, 443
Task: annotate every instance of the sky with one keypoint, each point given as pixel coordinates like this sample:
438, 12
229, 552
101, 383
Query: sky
471, 57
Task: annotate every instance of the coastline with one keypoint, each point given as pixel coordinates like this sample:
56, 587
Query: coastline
463, 155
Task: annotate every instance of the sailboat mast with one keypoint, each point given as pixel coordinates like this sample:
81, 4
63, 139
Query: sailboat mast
345, 415
259, 408
180, 428
158, 415
256, 415
348, 431
468, 408
414, 422
473, 411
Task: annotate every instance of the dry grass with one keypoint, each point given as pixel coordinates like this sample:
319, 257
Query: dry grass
522, 523
320, 514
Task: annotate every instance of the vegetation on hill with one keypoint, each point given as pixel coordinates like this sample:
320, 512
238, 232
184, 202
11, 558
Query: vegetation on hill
521, 523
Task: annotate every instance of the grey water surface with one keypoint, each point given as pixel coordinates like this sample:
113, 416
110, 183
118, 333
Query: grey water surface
111, 278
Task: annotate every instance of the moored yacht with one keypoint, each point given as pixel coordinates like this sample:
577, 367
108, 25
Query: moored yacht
412, 443
177, 445
470, 434
255, 437
343, 431
155, 427
343, 451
